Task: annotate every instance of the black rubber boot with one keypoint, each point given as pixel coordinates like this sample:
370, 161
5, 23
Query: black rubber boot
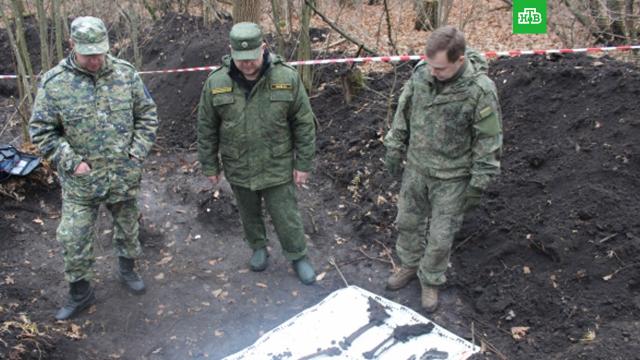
130, 277
81, 296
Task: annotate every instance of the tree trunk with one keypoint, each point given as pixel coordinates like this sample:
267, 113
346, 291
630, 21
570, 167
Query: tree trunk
134, 23
246, 10
44, 36
279, 24
56, 9
304, 47
24, 87
21, 40
426, 14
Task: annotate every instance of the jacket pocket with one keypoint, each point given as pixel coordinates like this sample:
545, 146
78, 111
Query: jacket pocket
281, 149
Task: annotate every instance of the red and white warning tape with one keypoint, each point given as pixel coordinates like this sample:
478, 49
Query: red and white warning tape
401, 58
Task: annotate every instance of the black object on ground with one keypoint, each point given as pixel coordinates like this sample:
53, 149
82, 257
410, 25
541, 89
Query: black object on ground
377, 315
401, 333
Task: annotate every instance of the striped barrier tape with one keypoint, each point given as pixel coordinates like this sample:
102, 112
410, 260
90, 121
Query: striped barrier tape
401, 58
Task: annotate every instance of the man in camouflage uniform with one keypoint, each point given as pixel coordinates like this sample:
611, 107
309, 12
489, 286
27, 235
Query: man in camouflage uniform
448, 122
255, 123
96, 122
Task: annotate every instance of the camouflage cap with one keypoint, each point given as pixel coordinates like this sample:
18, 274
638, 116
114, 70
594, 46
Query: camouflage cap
246, 39
89, 36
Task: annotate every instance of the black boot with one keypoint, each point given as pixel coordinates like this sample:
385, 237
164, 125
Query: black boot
80, 297
130, 277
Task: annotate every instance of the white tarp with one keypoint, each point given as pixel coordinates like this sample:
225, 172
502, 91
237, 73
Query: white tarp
325, 325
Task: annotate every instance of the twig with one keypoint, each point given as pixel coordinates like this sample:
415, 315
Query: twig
373, 257
607, 238
388, 252
393, 45
493, 348
332, 261
464, 242
339, 30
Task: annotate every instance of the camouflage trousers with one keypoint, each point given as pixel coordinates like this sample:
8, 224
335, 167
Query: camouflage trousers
281, 204
76, 234
430, 213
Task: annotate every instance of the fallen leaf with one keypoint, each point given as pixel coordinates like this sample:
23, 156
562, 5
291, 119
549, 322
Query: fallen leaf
159, 276
217, 292
607, 277
38, 221
75, 332
519, 332
164, 260
321, 276
262, 285
590, 335
526, 270
218, 333
8, 280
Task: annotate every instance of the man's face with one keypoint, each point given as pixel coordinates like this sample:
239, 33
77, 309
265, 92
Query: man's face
441, 68
91, 63
250, 68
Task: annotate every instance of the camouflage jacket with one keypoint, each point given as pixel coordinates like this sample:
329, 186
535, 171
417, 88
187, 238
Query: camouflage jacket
102, 119
452, 130
261, 137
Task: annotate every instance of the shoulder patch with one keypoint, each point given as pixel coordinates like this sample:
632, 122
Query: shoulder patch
221, 90
281, 86
486, 112
57, 70
420, 64
486, 84
122, 62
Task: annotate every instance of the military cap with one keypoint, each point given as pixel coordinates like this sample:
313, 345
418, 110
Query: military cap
89, 36
246, 39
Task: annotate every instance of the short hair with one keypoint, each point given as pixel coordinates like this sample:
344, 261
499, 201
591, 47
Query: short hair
449, 39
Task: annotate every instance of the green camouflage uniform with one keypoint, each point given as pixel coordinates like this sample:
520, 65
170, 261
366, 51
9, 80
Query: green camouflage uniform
104, 120
452, 134
260, 137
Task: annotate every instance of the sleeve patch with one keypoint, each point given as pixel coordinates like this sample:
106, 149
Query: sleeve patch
485, 112
221, 90
281, 87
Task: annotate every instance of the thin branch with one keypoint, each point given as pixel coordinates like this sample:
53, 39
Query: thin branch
339, 30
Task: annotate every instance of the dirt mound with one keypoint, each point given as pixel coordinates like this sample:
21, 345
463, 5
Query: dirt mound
181, 41
554, 245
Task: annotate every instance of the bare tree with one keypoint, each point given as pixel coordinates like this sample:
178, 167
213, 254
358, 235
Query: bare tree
25, 78
609, 21
278, 24
43, 25
426, 14
246, 10
304, 46
56, 15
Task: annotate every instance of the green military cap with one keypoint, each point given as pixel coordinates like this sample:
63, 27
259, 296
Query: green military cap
246, 39
89, 36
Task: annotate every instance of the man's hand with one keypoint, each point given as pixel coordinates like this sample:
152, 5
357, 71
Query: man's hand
82, 168
300, 177
472, 198
393, 163
215, 179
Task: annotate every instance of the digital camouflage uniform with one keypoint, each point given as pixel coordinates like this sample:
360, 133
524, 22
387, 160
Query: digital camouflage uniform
451, 133
261, 137
104, 120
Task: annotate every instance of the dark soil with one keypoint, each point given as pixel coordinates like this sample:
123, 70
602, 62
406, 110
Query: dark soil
554, 247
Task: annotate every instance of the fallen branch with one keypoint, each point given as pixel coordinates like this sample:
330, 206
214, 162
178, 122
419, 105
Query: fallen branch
339, 30
374, 258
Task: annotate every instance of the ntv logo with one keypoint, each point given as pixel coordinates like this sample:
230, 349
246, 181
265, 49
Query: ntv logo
529, 16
